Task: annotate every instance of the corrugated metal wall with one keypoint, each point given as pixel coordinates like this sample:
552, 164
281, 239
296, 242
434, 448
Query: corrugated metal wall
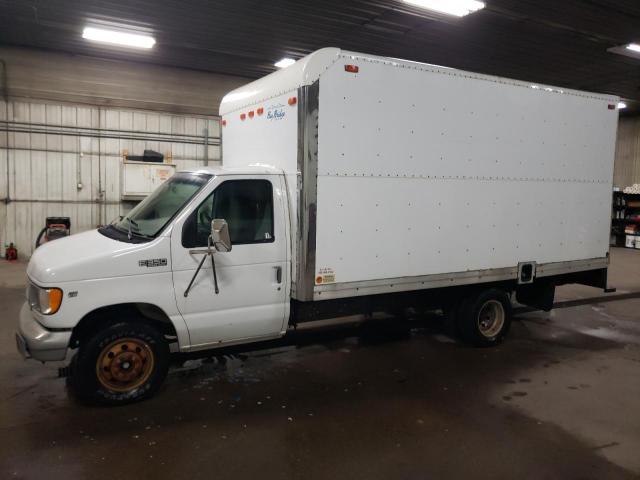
64, 159
627, 167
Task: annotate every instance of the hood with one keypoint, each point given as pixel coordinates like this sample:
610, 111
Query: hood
90, 255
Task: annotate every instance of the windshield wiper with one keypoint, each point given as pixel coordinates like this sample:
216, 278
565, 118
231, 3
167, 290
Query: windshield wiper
129, 231
135, 224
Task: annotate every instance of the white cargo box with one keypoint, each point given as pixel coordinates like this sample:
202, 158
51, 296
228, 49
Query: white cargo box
407, 176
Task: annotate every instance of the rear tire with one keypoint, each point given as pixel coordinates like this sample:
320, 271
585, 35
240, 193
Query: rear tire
124, 363
484, 319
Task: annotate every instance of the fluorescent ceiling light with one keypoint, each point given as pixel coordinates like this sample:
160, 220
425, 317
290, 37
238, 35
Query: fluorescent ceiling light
459, 8
118, 38
622, 105
285, 62
628, 50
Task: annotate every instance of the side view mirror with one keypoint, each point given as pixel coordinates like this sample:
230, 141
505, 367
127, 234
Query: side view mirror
220, 235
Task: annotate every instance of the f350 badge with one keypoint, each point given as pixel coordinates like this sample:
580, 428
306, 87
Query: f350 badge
153, 262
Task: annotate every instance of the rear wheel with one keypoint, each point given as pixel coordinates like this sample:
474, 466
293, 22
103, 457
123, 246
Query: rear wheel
484, 319
123, 363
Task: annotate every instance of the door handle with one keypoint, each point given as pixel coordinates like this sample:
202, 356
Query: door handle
278, 274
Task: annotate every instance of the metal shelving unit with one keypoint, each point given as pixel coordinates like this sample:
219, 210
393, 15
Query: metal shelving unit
625, 212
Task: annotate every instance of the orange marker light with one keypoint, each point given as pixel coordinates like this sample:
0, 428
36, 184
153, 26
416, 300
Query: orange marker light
351, 68
293, 101
243, 116
251, 114
318, 279
55, 299
260, 111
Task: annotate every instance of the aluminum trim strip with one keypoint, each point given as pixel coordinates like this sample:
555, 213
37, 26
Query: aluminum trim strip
557, 268
391, 285
307, 188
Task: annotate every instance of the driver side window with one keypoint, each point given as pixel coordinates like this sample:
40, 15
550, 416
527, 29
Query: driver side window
246, 205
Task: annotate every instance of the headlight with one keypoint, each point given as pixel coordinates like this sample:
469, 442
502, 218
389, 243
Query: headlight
44, 300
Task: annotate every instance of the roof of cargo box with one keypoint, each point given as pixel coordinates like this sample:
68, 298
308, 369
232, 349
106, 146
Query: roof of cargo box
217, 170
304, 72
309, 69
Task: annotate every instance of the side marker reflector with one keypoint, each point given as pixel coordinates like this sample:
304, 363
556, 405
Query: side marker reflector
293, 101
251, 114
351, 68
243, 116
260, 111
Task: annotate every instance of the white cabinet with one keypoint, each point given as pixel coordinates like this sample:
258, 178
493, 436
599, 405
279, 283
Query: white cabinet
139, 179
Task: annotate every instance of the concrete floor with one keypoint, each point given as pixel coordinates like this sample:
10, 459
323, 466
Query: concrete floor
387, 399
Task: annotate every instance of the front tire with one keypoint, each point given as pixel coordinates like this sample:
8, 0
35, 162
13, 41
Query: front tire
120, 364
484, 319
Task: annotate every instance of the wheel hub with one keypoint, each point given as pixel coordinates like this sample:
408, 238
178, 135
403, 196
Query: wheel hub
124, 364
491, 318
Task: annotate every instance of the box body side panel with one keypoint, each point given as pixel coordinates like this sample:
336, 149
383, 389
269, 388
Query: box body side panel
423, 172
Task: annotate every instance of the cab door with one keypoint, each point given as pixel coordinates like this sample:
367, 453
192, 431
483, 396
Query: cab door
252, 300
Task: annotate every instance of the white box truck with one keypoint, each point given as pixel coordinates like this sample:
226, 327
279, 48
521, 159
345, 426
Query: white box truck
350, 184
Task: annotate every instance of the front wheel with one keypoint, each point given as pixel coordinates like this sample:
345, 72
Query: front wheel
484, 319
123, 363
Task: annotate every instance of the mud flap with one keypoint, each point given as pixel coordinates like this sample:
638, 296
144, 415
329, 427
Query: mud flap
537, 295
596, 278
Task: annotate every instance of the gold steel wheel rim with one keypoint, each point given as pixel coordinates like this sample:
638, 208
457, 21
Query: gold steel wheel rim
125, 364
491, 318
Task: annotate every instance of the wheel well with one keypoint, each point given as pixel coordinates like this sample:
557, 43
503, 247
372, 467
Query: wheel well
125, 312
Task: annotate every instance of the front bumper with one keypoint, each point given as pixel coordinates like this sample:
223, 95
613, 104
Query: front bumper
35, 341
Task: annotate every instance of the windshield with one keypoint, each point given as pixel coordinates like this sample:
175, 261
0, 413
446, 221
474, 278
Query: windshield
151, 215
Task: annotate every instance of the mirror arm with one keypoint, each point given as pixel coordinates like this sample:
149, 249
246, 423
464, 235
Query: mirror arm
186, 292
213, 265
215, 275
207, 252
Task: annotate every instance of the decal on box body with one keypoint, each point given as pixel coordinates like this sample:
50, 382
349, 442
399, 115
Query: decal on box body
325, 275
276, 112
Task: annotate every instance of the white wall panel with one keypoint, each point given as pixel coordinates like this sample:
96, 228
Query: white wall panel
69, 172
22, 225
52, 147
54, 175
38, 175
21, 173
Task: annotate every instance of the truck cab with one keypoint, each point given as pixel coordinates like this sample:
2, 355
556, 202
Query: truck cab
153, 281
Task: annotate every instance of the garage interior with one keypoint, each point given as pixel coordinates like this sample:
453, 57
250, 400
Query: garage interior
387, 397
